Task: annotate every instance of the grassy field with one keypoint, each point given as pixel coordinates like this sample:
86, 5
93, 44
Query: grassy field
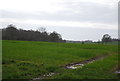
28, 59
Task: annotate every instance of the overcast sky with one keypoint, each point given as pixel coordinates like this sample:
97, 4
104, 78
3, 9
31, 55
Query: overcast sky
73, 19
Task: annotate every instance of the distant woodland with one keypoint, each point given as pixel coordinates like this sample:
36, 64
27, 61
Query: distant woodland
12, 33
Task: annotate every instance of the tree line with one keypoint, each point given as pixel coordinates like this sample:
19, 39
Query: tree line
12, 33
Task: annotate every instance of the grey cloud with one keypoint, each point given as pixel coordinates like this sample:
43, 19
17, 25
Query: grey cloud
87, 12
92, 12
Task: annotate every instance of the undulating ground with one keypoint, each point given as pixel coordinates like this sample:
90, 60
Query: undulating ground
31, 59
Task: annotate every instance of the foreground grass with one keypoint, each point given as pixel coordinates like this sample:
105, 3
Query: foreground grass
100, 69
27, 59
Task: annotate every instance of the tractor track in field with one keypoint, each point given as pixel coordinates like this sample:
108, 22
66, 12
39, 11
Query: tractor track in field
84, 62
71, 66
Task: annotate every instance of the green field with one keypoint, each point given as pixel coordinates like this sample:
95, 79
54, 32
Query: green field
28, 59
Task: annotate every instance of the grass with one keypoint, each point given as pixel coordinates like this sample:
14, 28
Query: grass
28, 59
101, 69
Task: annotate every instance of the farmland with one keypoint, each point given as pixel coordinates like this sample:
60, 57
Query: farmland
31, 59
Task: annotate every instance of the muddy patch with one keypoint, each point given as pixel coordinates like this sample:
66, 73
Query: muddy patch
82, 63
44, 76
117, 71
71, 66
75, 66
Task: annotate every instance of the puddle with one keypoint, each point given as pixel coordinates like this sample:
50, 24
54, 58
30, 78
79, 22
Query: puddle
117, 72
44, 76
75, 66
50, 74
